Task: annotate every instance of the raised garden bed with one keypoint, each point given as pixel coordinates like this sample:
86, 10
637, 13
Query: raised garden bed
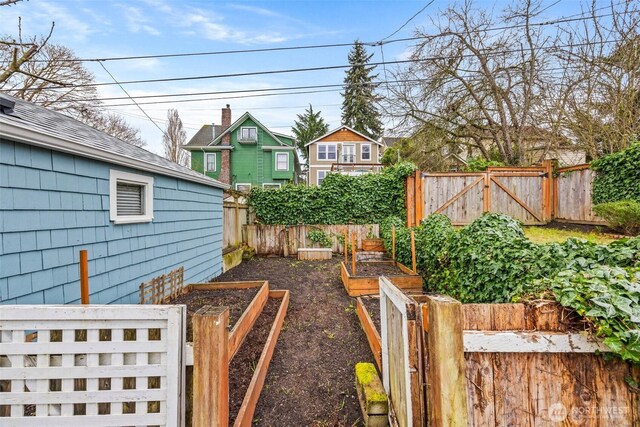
254, 318
314, 254
367, 274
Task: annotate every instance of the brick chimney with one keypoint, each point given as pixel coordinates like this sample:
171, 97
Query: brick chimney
225, 162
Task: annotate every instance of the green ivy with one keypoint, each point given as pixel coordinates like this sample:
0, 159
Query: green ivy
320, 238
623, 215
617, 176
341, 199
492, 261
480, 164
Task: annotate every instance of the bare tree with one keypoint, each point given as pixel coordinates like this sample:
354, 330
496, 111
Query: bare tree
602, 56
174, 138
114, 125
484, 88
16, 52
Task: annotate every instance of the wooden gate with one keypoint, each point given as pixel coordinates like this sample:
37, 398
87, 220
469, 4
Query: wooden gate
572, 191
522, 193
401, 370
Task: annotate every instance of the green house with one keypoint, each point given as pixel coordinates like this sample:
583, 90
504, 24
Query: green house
244, 154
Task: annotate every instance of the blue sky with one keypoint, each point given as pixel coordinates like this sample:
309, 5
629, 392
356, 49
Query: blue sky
98, 29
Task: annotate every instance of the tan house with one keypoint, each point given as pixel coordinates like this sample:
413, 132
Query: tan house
342, 150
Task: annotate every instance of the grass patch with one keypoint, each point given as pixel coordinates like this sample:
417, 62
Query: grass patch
549, 235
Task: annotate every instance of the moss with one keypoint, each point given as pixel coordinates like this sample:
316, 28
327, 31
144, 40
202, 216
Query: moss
367, 378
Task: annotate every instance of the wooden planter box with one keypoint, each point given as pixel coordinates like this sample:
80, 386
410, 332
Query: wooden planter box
373, 245
314, 254
368, 285
369, 328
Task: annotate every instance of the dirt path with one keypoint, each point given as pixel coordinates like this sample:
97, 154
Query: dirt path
310, 381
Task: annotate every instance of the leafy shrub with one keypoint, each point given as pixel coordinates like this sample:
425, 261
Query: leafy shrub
618, 176
479, 164
320, 238
609, 297
624, 215
341, 199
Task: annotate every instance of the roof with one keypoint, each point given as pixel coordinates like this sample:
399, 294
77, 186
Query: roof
204, 136
241, 120
389, 141
340, 128
37, 125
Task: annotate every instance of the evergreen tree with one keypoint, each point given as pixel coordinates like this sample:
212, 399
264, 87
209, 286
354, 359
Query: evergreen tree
308, 127
359, 111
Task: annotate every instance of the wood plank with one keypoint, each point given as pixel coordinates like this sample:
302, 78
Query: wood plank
530, 342
373, 337
248, 318
446, 394
211, 367
224, 285
514, 197
458, 195
248, 407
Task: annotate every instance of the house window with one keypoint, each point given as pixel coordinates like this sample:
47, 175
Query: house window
321, 176
365, 153
245, 188
327, 152
130, 197
282, 161
210, 162
271, 185
248, 134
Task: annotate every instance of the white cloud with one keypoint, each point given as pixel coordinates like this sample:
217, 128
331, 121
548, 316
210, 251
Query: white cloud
137, 21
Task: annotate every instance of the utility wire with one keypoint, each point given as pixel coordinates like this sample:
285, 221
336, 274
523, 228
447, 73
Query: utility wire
407, 22
133, 100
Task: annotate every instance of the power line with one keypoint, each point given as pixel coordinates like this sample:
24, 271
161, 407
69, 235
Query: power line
133, 100
566, 19
407, 21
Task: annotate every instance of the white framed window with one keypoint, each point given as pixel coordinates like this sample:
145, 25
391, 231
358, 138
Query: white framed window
248, 134
271, 185
130, 197
348, 153
321, 176
244, 187
282, 161
327, 152
210, 162
365, 152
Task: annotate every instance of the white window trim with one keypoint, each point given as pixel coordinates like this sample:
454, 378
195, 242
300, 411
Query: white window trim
327, 144
247, 127
243, 183
326, 172
215, 162
362, 152
342, 154
116, 176
276, 161
271, 185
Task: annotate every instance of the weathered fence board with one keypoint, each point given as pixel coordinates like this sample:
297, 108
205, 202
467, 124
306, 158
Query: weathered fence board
285, 240
573, 195
84, 366
234, 216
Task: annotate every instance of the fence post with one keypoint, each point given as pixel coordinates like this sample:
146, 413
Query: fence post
410, 190
211, 367
447, 393
419, 197
84, 277
413, 251
393, 242
353, 254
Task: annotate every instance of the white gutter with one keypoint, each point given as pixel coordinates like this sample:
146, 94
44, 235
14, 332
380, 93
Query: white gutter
23, 133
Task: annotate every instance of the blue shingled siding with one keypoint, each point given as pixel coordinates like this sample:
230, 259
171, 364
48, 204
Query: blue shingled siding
52, 205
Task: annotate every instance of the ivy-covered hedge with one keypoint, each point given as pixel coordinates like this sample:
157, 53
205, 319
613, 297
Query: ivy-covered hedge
492, 261
617, 176
341, 199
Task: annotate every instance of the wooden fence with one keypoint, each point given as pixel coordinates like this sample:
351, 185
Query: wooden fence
504, 365
79, 365
572, 190
285, 240
533, 195
234, 216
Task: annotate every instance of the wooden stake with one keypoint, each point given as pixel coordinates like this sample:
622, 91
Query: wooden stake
413, 251
346, 245
84, 277
211, 367
393, 242
353, 254
447, 393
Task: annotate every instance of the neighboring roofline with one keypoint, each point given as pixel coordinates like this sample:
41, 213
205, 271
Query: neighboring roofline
283, 134
207, 147
340, 128
23, 133
272, 148
457, 157
238, 122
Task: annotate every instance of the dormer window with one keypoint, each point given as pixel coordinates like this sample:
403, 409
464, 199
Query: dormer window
248, 134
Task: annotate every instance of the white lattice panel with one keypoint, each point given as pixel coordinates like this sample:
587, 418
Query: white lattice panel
92, 365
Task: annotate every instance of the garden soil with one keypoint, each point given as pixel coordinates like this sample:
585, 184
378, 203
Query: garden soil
310, 381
